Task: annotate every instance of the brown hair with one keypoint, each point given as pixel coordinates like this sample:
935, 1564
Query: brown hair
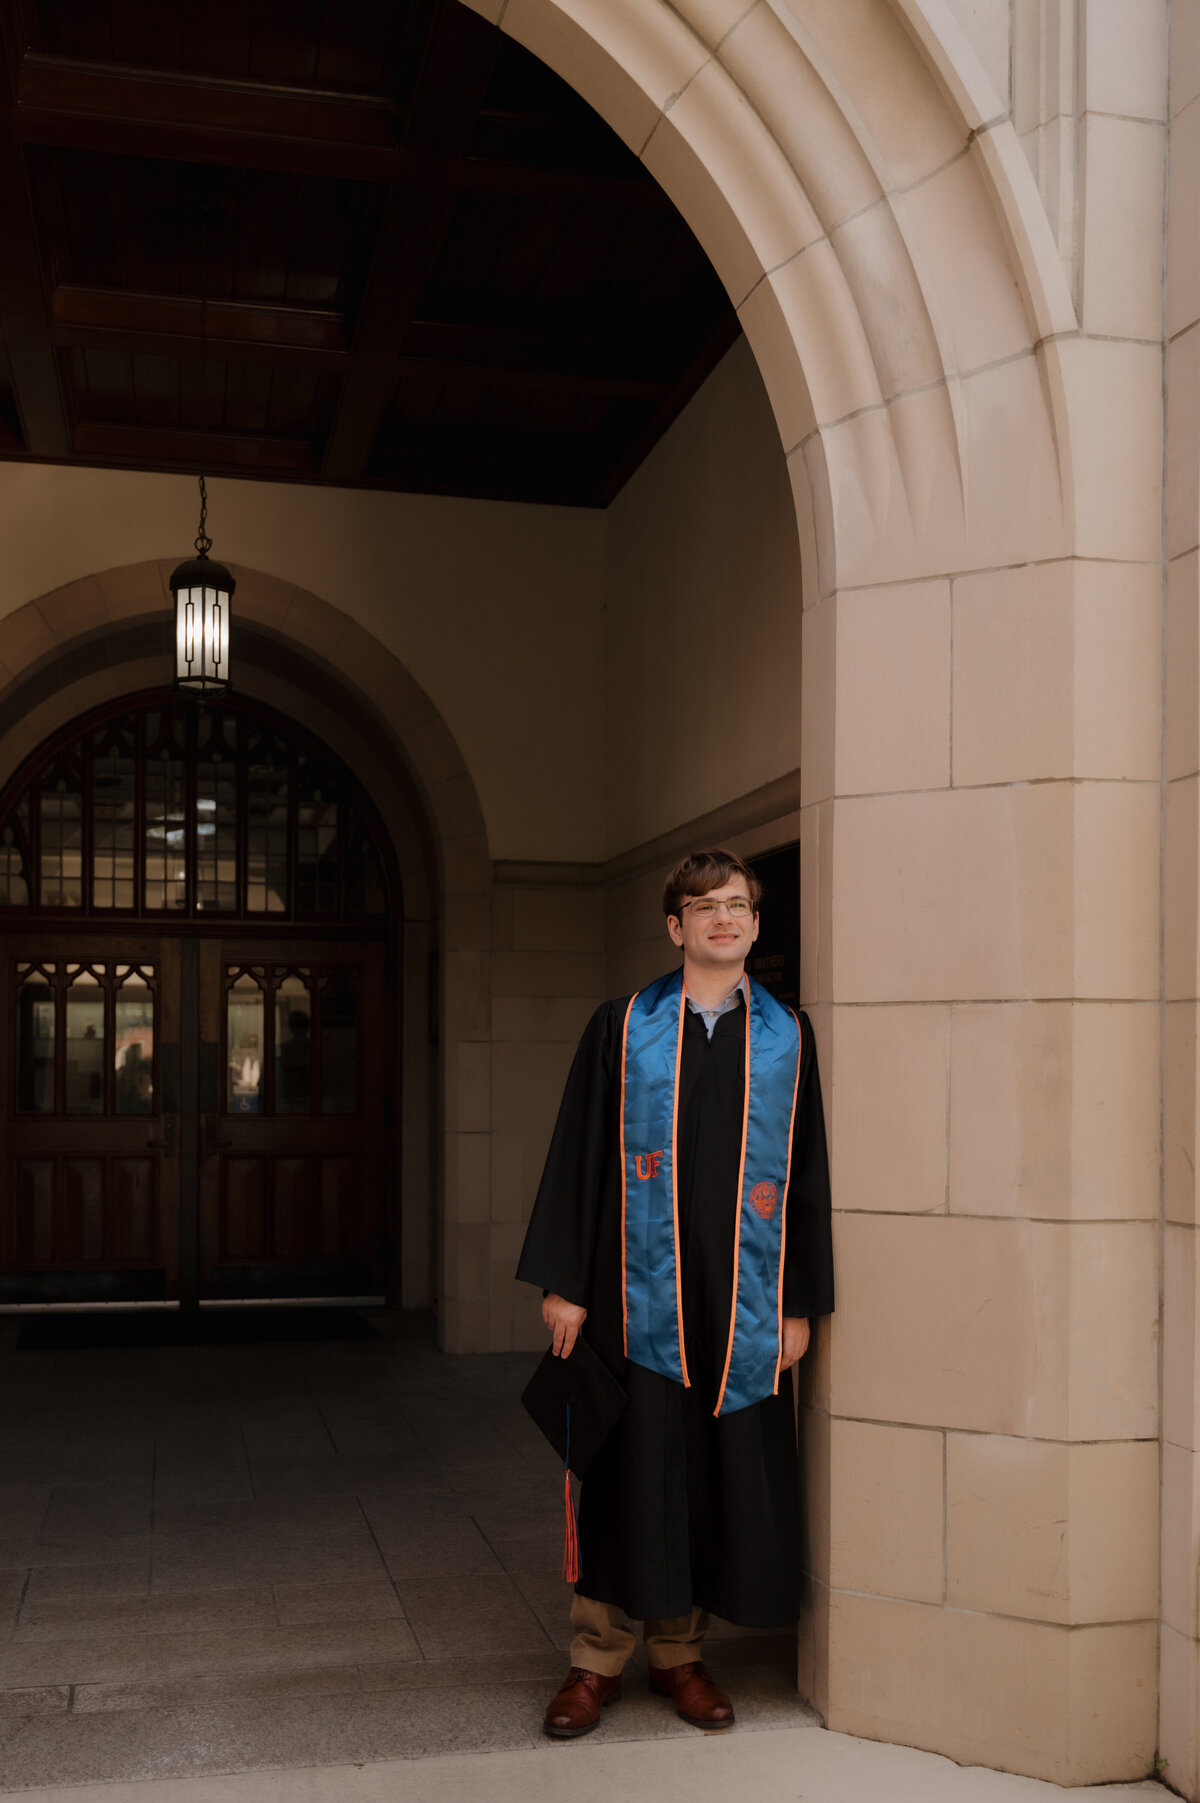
701, 871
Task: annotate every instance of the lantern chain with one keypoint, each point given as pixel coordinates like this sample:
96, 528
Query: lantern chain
203, 542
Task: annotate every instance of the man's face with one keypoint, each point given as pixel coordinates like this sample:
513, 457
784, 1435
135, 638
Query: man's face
718, 939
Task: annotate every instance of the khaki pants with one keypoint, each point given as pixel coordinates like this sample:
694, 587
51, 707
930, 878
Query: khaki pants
605, 1640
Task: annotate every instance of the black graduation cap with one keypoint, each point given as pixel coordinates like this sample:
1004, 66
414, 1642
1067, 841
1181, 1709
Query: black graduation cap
576, 1402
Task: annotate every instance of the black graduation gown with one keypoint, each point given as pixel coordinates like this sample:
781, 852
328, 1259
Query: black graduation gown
681, 1509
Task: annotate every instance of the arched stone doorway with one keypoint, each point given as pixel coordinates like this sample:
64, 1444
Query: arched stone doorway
303, 659
200, 925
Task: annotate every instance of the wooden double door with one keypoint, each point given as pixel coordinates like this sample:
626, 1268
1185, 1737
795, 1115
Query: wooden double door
193, 1117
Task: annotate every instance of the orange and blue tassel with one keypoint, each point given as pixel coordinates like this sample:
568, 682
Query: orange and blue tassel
570, 1567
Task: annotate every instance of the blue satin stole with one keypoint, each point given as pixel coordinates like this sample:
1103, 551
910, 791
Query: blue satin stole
654, 1336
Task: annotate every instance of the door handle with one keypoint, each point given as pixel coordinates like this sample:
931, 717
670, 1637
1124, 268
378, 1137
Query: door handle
166, 1144
213, 1142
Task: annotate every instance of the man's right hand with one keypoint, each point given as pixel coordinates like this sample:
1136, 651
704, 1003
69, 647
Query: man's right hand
564, 1319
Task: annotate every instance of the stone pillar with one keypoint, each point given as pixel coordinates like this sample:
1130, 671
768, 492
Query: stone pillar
1179, 1724
982, 803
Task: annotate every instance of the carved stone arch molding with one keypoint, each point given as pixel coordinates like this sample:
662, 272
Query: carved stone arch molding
860, 190
311, 662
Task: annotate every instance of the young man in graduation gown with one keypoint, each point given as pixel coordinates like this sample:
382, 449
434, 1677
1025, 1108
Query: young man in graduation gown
682, 1226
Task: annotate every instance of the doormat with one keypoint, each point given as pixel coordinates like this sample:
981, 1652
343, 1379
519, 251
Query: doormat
201, 1327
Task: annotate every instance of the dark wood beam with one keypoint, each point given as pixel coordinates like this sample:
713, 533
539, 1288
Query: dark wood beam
168, 325
153, 112
410, 239
195, 144
158, 447
37, 390
186, 97
180, 316
117, 111
429, 142
229, 351
452, 80
528, 378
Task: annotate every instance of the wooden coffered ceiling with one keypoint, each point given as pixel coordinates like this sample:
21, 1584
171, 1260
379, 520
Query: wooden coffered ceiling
422, 261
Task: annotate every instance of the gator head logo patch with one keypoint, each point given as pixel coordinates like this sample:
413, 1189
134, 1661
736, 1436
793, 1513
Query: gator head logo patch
763, 1198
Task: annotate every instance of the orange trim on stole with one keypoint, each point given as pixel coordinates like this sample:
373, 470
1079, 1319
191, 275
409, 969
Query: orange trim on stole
687, 1382
787, 1184
624, 1180
737, 1230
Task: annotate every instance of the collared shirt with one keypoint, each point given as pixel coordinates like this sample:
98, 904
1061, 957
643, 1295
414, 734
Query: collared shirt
710, 1016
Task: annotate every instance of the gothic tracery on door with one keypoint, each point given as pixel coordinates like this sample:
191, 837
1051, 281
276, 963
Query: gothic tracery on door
197, 929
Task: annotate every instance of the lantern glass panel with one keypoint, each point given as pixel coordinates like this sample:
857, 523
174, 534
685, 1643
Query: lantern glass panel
202, 636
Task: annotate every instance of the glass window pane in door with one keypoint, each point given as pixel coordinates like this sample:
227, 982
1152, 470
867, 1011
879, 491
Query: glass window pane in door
317, 847
14, 889
293, 1045
84, 1090
268, 788
244, 1040
339, 1047
133, 1042
166, 835
113, 805
144, 816
35, 1042
365, 892
61, 827
216, 836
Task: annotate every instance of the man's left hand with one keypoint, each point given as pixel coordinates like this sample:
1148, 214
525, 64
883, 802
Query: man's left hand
795, 1341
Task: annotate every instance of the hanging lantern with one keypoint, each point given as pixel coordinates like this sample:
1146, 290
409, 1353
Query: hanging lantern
202, 589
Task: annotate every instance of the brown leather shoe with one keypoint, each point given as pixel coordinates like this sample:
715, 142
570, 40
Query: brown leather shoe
576, 1708
696, 1697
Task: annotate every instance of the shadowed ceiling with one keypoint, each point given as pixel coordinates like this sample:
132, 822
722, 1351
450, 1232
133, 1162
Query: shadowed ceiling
420, 260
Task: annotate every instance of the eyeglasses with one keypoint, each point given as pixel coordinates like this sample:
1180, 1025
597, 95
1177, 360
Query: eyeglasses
737, 909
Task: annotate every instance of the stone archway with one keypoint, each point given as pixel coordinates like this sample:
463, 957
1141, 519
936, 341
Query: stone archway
966, 489
985, 898
296, 652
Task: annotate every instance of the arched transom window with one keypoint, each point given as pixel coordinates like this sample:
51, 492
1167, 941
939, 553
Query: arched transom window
167, 810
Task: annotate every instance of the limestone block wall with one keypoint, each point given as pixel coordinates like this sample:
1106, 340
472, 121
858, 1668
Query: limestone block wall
981, 810
1179, 1731
534, 975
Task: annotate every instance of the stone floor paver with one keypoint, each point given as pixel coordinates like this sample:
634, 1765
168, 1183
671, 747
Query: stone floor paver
216, 1559
329, 1573
786, 1764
